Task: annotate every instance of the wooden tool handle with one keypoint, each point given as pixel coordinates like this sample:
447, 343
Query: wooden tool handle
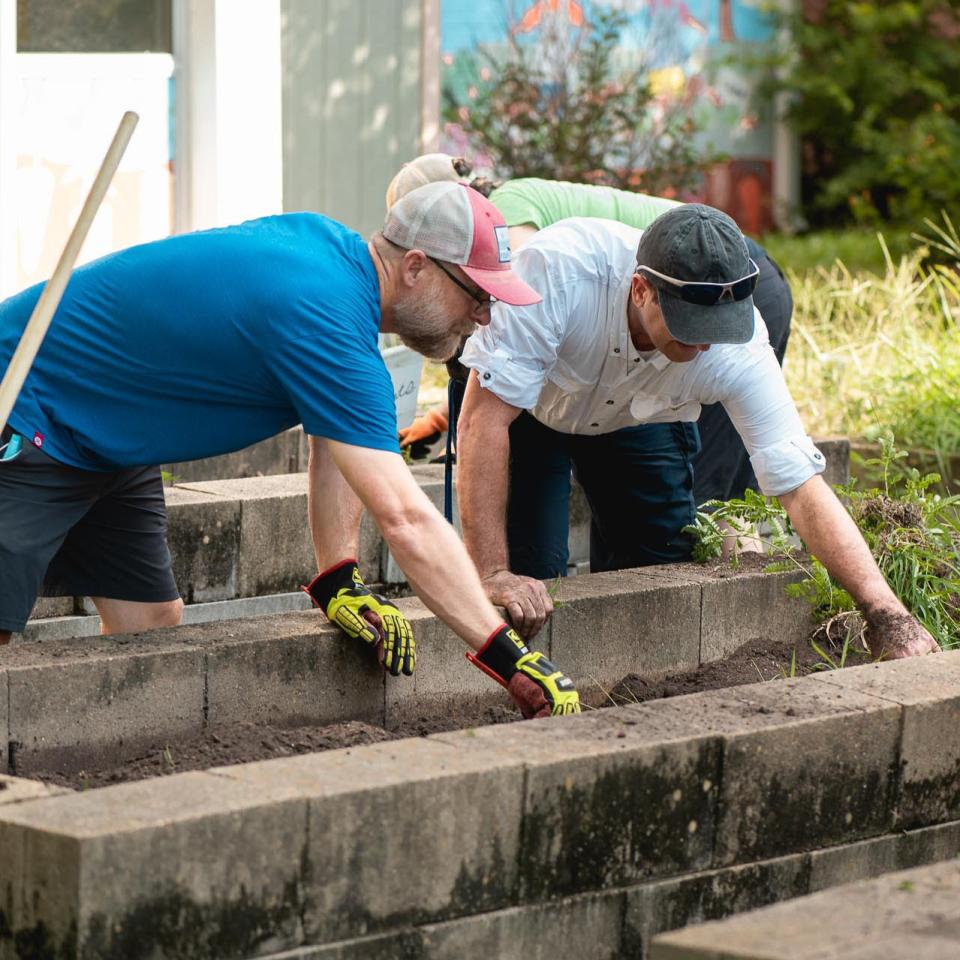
36, 328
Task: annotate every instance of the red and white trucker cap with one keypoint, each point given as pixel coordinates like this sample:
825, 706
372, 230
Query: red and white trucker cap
453, 223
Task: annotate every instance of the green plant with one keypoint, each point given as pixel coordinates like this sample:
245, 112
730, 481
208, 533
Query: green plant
792, 672
913, 534
874, 93
826, 661
571, 106
874, 352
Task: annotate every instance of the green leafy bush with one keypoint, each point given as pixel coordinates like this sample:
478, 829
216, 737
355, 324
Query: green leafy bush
874, 92
913, 534
568, 107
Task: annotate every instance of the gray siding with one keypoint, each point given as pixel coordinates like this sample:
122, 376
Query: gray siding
351, 104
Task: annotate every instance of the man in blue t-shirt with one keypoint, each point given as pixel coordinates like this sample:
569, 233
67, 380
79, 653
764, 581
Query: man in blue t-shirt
204, 343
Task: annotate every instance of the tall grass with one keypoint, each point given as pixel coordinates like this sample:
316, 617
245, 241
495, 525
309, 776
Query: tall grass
878, 351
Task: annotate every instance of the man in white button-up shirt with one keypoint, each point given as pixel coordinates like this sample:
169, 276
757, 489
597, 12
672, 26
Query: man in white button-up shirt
636, 328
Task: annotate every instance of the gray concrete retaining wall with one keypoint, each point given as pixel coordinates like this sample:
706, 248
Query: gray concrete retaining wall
68, 702
586, 834
907, 915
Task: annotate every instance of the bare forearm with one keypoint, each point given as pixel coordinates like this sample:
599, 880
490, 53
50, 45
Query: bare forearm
332, 507
483, 457
432, 557
833, 538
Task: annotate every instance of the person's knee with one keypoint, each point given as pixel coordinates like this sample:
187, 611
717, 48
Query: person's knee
169, 614
120, 616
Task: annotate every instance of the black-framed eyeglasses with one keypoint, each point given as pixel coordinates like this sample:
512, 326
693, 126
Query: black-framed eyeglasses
481, 301
707, 294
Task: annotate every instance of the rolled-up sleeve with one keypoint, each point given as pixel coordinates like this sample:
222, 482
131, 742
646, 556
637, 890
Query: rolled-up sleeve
516, 351
755, 395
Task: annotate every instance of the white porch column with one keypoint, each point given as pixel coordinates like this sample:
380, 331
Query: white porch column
228, 132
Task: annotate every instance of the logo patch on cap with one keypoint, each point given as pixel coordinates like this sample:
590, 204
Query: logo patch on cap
503, 243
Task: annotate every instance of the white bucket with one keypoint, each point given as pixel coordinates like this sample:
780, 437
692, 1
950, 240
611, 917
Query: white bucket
405, 366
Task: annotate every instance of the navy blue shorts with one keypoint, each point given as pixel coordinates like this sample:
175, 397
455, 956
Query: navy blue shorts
67, 532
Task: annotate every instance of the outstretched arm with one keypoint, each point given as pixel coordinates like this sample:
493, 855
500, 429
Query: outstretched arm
833, 538
424, 545
483, 457
438, 568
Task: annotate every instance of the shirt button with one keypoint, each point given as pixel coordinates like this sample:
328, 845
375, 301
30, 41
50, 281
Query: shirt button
636, 359
616, 349
609, 403
594, 424
486, 376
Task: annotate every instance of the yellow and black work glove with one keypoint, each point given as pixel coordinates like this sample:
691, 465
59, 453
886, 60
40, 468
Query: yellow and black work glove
343, 596
537, 686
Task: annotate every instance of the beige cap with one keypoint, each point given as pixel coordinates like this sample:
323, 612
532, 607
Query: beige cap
427, 168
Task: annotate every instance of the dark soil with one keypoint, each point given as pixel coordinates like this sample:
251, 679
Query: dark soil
753, 662
245, 742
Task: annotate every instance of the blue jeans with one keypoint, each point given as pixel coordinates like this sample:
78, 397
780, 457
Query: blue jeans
638, 482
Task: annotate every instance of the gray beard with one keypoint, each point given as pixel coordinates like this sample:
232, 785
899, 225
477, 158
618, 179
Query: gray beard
426, 328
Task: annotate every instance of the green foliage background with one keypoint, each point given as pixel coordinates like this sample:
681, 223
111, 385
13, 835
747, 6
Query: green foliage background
875, 96
571, 108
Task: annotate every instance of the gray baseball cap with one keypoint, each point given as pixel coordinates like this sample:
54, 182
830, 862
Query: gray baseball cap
697, 244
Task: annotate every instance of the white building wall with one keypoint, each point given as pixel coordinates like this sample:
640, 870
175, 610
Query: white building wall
353, 101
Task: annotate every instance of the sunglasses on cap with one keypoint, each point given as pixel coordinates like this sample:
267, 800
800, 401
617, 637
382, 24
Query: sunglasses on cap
704, 293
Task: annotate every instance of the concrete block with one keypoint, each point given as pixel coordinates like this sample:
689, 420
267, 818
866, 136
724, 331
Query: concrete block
859, 919
928, 691
46, 607
184, 866
740, 606
849, 862
443, 679
91, 702
607, 625
370, 549
402, 945
928, 845
402, 833
276, 550
771, 804
586, 927
59, 628
711, 895
836, 451
579, 518
16, 790
295, 668
203, 532
609, 800
277, 454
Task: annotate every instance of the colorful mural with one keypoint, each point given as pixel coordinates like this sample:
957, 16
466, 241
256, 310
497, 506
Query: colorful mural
688, 46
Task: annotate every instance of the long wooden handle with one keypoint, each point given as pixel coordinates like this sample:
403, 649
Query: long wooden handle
36, 328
